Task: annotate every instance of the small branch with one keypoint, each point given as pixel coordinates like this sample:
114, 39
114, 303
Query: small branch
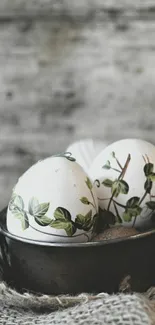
97, 183
147, 158
63, 236
117, 213
143, 197
120, 205
119, 163
144, 159
104, 199
94, 201
125, 167
116, 170
92, 205
111, 199
134, 222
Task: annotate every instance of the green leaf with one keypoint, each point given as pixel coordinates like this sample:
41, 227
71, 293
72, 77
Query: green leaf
124, 187
71, 158
62, 214
25, 222
89, 184
133, 202
148, 185
84, 200
148, 169
84, 222
43, 221
107, 165
127, 217
22, 216
106, 218
11, 203
151, 205
16, 201
152, 177
107, 182
36, 209
67, 155
113, 154
119, 186
69, 227
33, 203
131, 212
41, 210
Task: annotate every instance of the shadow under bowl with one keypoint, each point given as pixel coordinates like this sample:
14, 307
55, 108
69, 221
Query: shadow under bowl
58, 268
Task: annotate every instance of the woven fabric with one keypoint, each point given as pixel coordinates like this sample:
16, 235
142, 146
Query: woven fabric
121, 309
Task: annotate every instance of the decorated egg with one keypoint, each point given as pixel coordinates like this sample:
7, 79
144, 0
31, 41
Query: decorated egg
124, 177
53, 201
85, 151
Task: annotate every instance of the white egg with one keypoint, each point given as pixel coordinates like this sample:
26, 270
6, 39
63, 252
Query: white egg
85, 151
124, 176
53, 201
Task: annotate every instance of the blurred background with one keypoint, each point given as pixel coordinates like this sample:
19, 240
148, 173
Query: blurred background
72, 69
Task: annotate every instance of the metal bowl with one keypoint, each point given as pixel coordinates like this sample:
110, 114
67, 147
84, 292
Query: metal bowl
56, 268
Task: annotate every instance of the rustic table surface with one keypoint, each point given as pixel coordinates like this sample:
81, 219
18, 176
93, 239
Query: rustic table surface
72, 69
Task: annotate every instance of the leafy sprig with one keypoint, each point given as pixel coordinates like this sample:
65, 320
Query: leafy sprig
62, 217
119, 186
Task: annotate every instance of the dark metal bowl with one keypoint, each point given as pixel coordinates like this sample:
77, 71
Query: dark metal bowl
55, 268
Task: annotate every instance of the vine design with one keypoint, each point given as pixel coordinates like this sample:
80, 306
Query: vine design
62, 217
133, 207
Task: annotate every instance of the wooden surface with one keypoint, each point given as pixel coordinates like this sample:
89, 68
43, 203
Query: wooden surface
72, 69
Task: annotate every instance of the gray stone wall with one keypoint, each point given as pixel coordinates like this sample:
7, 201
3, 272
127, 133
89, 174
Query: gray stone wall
72, 69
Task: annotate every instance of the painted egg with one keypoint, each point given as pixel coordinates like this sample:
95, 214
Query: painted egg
85, 151
53, 201
124, 176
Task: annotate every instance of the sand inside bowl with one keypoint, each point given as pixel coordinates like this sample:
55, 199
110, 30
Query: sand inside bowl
115, 232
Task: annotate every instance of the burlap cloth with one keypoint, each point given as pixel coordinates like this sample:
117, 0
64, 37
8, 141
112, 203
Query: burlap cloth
122, 309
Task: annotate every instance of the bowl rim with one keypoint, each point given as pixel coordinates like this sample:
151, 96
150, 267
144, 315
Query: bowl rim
103, 242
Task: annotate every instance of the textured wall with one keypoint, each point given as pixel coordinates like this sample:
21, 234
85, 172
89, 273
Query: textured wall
72, 69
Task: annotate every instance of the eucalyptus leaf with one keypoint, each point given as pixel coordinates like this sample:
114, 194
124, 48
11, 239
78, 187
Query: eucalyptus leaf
151, 205
148, 185
69, 227
107, 165
89, 184
84, 200
108, 182
62, 214
133, 202
148, 169
43, 221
